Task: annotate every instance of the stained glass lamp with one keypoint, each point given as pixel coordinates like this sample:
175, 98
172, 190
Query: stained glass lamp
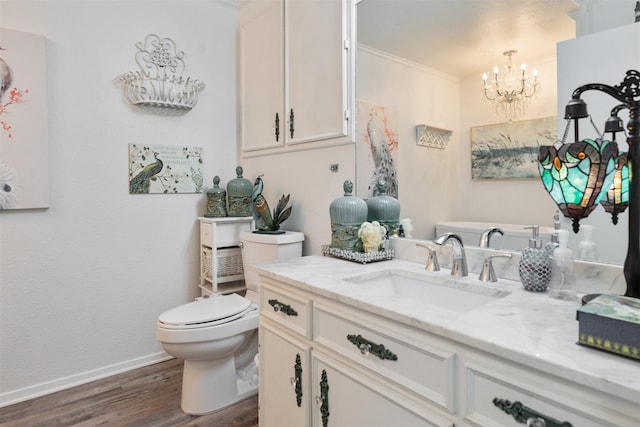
617, 197
576, 175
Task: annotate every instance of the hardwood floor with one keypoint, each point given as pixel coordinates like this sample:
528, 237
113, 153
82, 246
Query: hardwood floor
148, 396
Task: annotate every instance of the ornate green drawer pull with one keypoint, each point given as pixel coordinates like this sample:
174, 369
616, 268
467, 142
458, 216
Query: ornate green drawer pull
291, 126
297, 379
285, 308
528, 416
323, 399
367, 346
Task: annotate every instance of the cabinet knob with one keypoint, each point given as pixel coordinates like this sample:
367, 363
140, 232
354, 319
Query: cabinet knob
536, 422
525, 415
364, 348
285, 308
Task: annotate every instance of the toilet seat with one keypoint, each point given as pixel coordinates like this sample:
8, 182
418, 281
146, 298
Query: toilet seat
206, 312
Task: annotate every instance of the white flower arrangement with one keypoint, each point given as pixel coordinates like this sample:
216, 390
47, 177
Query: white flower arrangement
372, 235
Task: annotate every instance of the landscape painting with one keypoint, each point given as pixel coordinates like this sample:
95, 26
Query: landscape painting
510, 150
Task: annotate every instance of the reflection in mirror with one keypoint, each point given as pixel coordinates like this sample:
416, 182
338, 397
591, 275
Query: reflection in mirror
422, 62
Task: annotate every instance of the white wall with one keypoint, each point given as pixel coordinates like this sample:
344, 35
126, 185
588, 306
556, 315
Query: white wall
617, 52
504, 201
428, 178
306, 176
83, 282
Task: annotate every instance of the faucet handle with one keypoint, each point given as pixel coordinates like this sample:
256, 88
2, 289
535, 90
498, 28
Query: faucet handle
432, 258
488, 274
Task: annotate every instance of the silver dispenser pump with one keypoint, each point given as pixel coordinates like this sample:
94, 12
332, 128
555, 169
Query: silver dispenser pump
535, 241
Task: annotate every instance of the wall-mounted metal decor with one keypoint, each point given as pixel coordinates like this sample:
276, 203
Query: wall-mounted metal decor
429, 136
160, 84
163, 169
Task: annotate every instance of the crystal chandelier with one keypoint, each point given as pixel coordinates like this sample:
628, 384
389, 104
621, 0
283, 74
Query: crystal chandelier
510, 90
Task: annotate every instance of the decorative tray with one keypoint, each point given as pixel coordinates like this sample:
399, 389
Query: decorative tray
361, 257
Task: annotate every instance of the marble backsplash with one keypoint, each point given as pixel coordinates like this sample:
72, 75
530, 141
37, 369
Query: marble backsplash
591, 277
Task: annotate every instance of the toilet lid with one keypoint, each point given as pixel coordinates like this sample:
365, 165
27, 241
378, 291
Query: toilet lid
205, 310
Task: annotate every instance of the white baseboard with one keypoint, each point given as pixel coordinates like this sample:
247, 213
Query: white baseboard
37, 390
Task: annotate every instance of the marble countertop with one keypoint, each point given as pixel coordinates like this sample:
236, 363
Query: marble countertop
528, 328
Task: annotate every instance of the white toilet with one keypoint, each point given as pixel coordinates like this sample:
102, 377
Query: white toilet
218, 336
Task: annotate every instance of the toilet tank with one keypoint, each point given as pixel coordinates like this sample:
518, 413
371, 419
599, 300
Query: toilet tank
515, 237
258, 248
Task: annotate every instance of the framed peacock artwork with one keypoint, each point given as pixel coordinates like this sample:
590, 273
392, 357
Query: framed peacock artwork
24, 138
377, 149
164, 169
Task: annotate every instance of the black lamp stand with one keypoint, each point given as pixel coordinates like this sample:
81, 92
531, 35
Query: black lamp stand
627, 93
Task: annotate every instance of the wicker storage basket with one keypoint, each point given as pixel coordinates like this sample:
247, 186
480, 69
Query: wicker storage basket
229, 262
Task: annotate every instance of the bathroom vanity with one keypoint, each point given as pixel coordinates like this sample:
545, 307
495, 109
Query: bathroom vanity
390, 344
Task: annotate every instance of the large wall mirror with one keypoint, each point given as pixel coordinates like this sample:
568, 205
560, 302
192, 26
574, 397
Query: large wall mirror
422, 62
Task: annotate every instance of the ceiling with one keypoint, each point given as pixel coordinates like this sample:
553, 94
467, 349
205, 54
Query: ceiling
465, 37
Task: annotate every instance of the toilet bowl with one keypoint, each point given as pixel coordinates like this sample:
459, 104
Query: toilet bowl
217, 336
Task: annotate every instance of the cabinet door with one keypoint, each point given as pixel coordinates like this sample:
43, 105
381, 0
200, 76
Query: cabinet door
317, 67
343, 397
261, 41
284, 379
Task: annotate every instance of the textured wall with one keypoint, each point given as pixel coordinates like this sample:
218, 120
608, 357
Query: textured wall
82, 283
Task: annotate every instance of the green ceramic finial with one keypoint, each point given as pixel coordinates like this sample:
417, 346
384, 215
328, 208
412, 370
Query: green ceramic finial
384, 208
239, 195
348, 187
347, 213
216, 200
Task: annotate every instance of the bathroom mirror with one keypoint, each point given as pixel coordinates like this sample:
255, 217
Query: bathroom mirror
423, 62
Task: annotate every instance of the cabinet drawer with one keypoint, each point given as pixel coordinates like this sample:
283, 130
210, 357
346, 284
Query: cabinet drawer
291, 310
223, 234
488, 379
422, 364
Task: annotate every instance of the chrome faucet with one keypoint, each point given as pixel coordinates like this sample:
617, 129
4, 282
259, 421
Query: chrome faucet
459, 267
485, 238
432, 258
488, 274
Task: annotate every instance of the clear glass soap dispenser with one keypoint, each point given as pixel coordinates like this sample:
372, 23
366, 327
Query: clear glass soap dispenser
535, 264
563, 283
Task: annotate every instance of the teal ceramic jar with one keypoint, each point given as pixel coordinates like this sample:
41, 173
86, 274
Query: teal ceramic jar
347, 213
384, 208
216, 200
239, 192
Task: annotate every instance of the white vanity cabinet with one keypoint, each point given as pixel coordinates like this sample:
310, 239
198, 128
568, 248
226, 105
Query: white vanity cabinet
494, 389
296, 74
221, 267
352, 363
307, 351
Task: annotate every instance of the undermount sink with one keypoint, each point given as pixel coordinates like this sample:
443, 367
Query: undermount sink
437, 290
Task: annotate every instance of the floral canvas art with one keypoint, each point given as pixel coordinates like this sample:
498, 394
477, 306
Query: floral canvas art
377, 150
164, 169
24, 155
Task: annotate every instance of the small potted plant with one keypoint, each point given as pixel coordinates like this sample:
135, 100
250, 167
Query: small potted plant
266, 222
